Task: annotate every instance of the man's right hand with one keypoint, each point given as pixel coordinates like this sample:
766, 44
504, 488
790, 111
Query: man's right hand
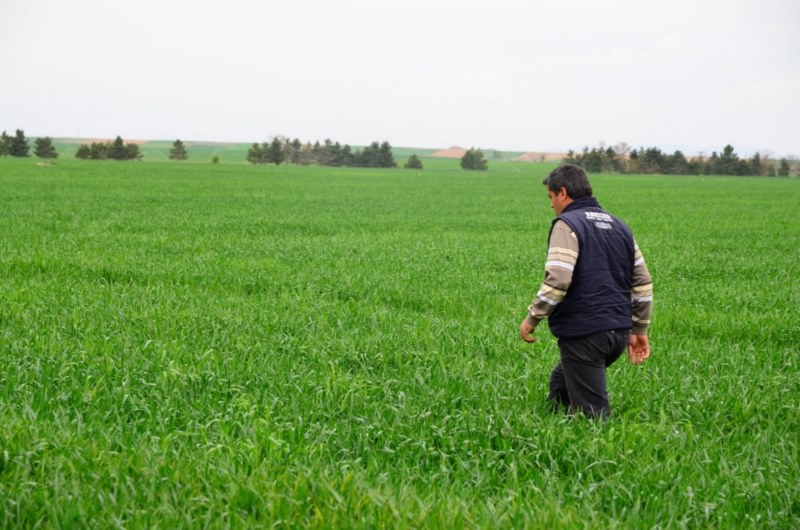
526, 330
638, 348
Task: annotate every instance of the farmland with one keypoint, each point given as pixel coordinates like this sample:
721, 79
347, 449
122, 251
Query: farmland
197, 345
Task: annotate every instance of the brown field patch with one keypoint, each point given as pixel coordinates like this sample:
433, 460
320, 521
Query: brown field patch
453, 152
535, 156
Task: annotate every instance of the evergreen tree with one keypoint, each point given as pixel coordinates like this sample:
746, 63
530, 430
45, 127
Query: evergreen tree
347, 155
178, 151
369, 157
116, 150
413, 163
5, 144
385, 156
728, 161
255, 154
275, 152
335, 154
324, 153
783, 168
19, 145
43, 148
316, 153
98, 151
288, 150
132, 152
713, 166
678, 164
83, 152
468, 160
756, 167
297, 152
481, 164
473, 160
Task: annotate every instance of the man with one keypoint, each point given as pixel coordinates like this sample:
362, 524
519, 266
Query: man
597, 294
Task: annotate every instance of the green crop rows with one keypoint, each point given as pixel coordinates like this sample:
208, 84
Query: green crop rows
198, 345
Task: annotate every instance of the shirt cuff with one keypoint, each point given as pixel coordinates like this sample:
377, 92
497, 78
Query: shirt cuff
532, 320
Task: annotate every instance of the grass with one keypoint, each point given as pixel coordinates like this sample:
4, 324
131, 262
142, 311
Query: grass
191, 345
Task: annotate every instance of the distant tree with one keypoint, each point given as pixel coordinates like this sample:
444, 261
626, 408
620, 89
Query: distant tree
132, 152
468, 160
43, 148
611, 162
255, 154
473, 160
347, 155
651, 160
622, 149
317, 154
728, 163
83, 152
178, 151
678, 163
695, 165
295, 157
97, 151
370, 156
19, 145
215, 159
288, 150
275, 152
713, 165
413, 163
334, 154
116, 150
755, 166
306, 156
783, 168
5, 144
385, 156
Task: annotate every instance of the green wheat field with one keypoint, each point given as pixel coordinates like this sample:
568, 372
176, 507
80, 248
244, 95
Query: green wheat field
188, 345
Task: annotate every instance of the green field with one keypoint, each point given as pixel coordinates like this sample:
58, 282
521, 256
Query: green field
210, 346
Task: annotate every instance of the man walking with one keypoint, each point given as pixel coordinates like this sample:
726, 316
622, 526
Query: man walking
597, 294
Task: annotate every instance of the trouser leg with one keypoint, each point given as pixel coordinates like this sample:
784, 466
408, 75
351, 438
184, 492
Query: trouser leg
583, 364
558, 388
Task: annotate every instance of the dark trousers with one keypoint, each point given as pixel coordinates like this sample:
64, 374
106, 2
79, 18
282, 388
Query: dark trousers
578, 382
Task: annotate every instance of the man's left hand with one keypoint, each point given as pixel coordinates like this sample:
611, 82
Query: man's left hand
526, 330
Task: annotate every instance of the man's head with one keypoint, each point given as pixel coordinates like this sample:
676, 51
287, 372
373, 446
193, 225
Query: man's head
565, 184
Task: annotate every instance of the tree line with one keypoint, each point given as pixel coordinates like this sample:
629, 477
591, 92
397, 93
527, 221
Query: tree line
116, 150
18, 146
623, 159
328, 153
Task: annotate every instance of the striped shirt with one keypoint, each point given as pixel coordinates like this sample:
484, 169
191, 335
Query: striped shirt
562, 255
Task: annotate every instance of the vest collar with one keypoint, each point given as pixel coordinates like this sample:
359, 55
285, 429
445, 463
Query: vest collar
583, 202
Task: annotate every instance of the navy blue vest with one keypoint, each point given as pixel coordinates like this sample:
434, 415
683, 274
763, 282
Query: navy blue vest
599, 297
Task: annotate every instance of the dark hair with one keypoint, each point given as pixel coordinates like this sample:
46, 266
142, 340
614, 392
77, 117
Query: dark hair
572, 178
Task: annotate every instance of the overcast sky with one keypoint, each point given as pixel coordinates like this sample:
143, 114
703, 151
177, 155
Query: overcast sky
515, 75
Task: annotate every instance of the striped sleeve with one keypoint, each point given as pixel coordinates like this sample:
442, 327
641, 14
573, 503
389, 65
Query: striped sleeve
641, 293
562, 255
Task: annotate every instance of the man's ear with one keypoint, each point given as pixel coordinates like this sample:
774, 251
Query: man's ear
562, 193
